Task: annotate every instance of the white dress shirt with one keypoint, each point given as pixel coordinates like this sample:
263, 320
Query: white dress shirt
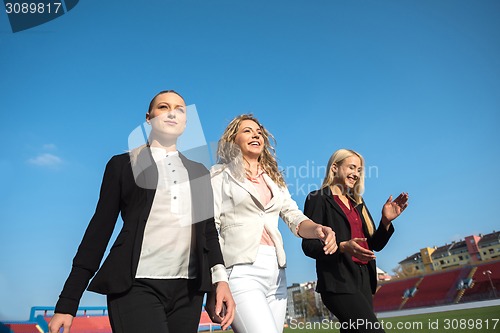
167, 251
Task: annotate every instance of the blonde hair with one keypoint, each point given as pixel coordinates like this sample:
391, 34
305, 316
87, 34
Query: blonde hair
356, 194
229, 153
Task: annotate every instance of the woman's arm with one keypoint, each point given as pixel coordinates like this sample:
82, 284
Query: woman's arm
314, 208
217, 175
93, 245
311, 230
390, 211
303, 227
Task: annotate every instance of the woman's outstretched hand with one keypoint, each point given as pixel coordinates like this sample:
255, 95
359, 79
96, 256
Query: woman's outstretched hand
393, 208
354, 249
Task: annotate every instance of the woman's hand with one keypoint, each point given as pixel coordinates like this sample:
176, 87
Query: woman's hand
392, 209
60, 320
220, 305
327, 236
354, 249
312, 230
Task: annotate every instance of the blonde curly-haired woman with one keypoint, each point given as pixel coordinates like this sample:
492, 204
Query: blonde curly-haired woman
250, 195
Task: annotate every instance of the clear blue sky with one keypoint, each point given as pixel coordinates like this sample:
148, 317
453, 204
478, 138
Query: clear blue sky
414, 86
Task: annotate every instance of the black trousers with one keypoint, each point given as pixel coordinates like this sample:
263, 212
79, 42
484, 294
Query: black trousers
156, 306
355, 311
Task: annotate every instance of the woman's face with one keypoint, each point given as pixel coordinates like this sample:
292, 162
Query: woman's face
168, 115
348, 172
249, 139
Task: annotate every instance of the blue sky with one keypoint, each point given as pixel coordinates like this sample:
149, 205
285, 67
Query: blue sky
414, 86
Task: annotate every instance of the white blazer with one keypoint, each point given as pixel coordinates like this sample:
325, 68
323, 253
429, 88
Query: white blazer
240, 216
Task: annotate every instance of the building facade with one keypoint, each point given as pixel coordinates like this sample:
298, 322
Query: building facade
472, 250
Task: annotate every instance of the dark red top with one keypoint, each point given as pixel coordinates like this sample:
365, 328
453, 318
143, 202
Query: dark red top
356, 224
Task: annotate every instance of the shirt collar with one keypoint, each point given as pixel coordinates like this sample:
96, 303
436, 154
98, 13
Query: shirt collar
255, 179
160, 153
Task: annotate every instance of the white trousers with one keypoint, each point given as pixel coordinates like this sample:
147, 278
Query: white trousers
259, 291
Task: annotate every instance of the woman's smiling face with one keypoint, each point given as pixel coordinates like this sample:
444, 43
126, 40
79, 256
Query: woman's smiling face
249, 139
348, 172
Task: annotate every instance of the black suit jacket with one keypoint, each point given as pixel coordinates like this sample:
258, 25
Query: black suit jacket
130, 191
337, 272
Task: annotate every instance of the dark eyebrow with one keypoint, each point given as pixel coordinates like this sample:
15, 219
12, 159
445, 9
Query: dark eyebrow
172, 106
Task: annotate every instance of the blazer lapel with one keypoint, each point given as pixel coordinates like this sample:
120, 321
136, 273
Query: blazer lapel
146, 174
329, 197
247, 186
275, 190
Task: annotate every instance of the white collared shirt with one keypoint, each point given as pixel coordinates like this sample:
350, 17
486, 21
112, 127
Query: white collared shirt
167, 248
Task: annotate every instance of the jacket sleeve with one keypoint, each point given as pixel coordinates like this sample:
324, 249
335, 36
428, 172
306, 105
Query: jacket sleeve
314, 209
381, 236
290, 212
211, 234
95, 240
216, 179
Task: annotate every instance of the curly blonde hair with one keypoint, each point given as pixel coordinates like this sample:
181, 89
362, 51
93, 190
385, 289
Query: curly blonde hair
229, 153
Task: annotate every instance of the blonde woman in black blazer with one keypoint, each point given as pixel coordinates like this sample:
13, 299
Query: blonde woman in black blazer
347, 279
131, 182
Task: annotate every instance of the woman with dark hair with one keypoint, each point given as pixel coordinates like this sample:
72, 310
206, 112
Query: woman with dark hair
167, 254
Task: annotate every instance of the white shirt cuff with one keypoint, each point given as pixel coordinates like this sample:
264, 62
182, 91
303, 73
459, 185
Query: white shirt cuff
219, 274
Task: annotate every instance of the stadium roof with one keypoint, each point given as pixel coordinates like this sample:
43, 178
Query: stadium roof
413, 258
486, 240
442, 251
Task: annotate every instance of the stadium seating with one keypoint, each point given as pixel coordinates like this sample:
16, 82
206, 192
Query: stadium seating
436, 289
440, 288
389, 296
482, 286
21, 328
100, 323
459, 285
89, 324
206, 324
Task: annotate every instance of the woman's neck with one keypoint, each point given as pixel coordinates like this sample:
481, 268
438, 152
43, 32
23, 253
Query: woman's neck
252, 166
339, 190
169, 146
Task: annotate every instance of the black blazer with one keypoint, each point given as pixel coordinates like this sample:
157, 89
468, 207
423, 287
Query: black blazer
130, 191
337, 272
